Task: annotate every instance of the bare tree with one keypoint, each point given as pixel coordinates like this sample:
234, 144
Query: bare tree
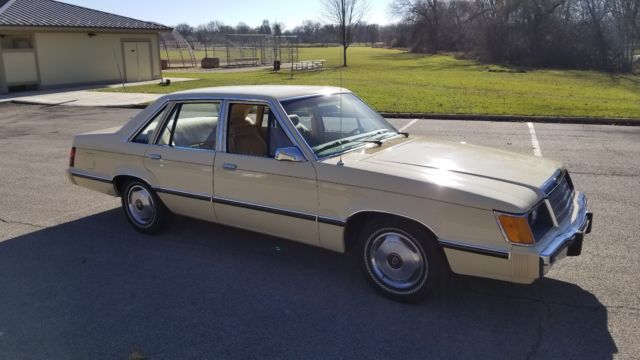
427, 16
627, 16
347, 15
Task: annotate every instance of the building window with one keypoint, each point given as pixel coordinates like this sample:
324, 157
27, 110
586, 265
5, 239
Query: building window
16, 42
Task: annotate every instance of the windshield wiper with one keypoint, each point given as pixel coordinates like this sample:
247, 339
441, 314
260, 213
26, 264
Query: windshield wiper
343, 142
378, 142
354, 141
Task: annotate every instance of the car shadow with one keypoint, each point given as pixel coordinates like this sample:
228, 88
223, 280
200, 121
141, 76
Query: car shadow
96, 288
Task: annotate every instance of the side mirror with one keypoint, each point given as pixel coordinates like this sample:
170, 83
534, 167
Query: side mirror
289, 153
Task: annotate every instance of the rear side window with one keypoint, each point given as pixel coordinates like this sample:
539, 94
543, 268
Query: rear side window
145, 134
192, 125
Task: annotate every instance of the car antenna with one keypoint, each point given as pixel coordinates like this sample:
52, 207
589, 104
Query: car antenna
340, 163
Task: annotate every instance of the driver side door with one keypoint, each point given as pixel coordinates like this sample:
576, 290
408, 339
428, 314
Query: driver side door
252, 189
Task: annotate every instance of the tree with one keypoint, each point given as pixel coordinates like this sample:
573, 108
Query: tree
184, 29
427, 16
265, 28
243, 28
202, 35
370, 33
347, 15
277, 29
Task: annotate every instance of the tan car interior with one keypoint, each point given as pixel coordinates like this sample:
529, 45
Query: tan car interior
245, 135
196, 132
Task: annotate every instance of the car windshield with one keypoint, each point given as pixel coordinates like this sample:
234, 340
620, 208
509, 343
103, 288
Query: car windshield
336, 123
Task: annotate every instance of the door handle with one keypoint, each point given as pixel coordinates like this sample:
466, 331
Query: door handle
228, 166
155, 156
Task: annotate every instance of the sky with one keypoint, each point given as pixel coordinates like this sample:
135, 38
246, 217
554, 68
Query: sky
289, 12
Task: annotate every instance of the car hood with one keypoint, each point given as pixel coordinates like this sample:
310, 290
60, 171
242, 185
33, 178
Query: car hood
473, 160
451, 172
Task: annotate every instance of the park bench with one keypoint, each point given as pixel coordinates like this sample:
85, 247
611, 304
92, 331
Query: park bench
244, 61
308, 65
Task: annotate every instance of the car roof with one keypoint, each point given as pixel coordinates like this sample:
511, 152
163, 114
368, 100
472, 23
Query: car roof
259, 92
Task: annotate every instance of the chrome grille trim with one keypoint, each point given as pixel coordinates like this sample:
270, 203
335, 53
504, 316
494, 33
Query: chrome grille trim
560, 192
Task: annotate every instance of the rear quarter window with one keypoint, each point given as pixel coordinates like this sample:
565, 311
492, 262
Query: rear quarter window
144, 136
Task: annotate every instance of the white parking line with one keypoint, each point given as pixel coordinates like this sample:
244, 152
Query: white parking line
409, 124
534, 140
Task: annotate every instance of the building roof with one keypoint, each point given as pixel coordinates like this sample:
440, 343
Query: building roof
50, 13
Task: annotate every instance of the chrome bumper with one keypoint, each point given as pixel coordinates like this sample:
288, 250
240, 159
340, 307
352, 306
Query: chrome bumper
569, 242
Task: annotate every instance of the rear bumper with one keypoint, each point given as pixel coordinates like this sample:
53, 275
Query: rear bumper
569, 242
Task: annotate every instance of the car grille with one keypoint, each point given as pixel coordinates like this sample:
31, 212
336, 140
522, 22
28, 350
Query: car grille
561, 195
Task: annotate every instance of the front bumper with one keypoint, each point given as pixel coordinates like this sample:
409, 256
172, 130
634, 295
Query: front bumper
568, 242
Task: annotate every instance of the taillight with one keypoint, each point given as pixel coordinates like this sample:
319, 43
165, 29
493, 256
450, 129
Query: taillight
72, 157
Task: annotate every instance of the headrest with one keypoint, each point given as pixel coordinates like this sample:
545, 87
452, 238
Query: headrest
239, 113
295, 119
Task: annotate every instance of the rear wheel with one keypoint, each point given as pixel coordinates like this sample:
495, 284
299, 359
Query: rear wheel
144, 210
401, 260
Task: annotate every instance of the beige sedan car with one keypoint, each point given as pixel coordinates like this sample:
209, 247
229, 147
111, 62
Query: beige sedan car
318, 166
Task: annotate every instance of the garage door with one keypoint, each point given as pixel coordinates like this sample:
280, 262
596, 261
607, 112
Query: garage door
137, 60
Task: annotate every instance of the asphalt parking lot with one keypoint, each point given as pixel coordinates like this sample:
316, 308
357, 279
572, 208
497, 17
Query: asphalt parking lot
77, 282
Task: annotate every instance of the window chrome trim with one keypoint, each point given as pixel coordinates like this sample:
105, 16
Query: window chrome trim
221, 139
189, 148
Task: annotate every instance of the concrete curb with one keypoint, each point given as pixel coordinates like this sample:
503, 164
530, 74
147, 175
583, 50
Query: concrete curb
512, 118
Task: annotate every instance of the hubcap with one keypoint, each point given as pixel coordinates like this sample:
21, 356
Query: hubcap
396, 260
140, 205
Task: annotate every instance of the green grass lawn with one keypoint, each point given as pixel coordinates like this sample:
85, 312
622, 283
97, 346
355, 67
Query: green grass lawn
397, 81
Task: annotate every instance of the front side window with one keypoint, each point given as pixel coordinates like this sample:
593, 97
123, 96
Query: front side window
253, 130
191, 125
335, 123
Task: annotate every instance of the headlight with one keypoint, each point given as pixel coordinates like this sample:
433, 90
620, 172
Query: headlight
540, 221
516, 228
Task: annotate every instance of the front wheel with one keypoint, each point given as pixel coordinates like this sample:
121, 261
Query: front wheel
401, 260
144, 210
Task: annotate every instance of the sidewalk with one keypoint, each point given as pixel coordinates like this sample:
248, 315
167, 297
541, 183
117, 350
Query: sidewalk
85, 96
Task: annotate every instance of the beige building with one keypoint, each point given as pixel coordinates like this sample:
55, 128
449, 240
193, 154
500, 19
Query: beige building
47, 44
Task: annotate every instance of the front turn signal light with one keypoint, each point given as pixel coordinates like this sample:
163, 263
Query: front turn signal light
516, 229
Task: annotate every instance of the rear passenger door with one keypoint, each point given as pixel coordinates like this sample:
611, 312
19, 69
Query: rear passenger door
182, 156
